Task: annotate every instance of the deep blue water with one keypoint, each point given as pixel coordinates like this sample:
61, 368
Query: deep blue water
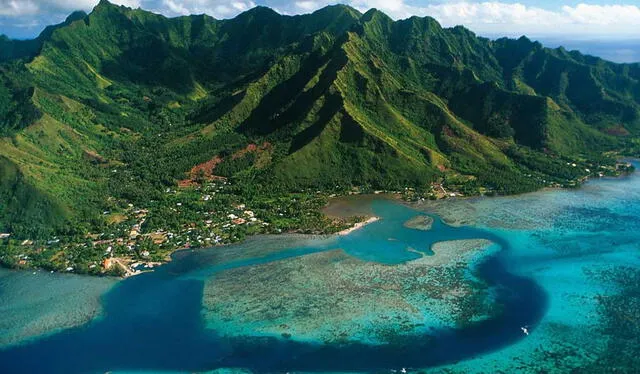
614, 50
552, 245
620, 51
154, 321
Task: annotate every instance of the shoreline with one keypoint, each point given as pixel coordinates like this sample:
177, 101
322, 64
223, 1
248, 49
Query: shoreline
426, 206
122, 262
357, 226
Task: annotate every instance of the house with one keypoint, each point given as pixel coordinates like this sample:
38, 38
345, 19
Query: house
4, 235
106, 264
239, 221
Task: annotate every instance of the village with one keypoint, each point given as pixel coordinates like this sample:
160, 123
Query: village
215, 213
141, 238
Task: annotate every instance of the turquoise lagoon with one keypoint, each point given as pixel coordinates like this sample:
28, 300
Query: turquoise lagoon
563, 264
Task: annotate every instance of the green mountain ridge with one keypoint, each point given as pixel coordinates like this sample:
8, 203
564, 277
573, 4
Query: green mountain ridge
117, 105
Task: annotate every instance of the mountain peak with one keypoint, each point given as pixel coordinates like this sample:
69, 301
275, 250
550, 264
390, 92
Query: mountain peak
260, 10
48, 31
338, 9
105, 4
424, 23
375, 14
75, 16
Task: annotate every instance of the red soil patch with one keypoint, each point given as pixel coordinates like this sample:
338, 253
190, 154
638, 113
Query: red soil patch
204, 169
251, 148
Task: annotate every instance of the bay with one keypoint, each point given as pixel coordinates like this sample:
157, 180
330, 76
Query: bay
542, 281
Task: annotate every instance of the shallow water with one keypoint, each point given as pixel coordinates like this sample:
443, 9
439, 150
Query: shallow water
556, 271
34, 303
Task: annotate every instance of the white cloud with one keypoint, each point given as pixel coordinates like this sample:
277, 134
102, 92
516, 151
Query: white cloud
175, 7
15, 8
395, 8
495, 17
242, 6
86, 4
215, 8
498, 17
506, 18
129, 3
307, 5
605, 15
20, 8
491, 13
67, 5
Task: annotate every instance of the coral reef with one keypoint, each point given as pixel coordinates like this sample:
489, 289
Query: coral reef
333, 297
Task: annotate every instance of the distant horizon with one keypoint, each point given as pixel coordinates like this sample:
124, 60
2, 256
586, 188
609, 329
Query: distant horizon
619, 51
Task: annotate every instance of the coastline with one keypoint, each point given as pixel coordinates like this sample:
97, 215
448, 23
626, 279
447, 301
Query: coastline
357, 226
293, 234
424, 206
342, 207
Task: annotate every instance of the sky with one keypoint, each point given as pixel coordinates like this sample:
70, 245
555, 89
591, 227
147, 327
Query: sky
586, 20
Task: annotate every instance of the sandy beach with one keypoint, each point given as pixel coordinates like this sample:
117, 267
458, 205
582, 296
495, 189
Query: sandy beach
357, 226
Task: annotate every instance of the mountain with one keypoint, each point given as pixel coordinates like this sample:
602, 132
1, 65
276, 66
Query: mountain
115, 106
15, 49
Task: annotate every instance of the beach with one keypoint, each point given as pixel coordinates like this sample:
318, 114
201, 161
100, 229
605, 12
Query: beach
357, 226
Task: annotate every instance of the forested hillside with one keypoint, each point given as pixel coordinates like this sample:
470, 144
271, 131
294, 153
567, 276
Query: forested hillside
117, 106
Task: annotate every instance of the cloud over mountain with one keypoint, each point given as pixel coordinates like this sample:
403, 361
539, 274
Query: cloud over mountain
608, 19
